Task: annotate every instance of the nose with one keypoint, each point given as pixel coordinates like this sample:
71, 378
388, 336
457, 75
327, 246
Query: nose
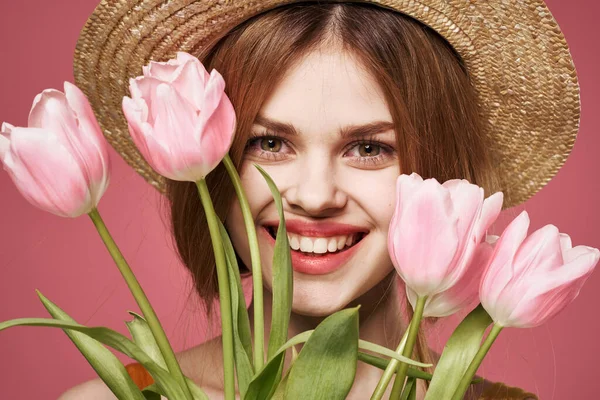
314, 190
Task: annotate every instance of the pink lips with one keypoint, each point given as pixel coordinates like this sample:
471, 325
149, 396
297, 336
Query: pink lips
319, 264
317, 229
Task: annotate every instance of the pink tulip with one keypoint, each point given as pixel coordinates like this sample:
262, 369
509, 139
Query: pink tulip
531, 279
59, 162
465, 291
180, 118
435, 229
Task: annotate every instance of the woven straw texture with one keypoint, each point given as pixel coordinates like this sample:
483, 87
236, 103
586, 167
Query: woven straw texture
515, 53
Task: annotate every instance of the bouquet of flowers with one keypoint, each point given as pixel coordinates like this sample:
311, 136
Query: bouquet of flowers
183, 124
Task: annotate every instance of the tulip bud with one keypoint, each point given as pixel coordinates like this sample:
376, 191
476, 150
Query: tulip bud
180, 118
435, 229
530, 279
59, 163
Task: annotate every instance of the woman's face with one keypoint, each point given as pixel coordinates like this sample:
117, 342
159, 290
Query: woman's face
325, 136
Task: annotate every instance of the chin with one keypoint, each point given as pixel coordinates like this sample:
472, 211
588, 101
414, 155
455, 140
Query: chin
321, 297
317, 306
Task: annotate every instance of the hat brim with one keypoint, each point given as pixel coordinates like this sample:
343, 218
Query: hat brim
516, 55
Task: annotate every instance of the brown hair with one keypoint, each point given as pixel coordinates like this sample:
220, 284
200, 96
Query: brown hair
440, 128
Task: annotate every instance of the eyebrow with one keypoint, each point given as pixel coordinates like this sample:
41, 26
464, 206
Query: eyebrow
349, 131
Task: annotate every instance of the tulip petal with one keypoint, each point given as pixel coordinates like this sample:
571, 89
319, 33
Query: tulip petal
190, 83
183, 57
539, 251
93, 147
138, 128
214, 91
406, 187
581, 265
565, 245
467, 202
5, 132
548, 293
161, 160
164, 71
174, 128
499, 273
492, 206
427, 234
219, 133
46, 173
52, 112
575, 252
143, 89
465, 291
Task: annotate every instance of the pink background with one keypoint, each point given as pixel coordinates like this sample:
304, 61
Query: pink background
68, 263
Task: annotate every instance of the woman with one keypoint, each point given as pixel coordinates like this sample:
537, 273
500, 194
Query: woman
302, 78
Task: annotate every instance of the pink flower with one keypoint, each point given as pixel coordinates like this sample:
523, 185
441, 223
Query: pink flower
180, 118
59, 162
529, 280
435, 229
465, 291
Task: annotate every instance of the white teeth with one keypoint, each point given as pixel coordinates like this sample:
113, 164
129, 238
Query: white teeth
332, 245
349, 240
320, 245
306, 245
294, 242
341, 242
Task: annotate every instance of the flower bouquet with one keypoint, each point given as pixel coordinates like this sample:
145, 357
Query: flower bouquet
183, 123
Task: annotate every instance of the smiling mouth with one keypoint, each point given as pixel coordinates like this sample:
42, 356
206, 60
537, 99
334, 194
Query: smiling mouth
359, 237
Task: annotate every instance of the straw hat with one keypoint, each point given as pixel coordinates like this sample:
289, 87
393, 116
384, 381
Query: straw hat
515, 52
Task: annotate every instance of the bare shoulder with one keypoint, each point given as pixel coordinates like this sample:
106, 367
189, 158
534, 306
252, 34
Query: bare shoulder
94, 389
200, 363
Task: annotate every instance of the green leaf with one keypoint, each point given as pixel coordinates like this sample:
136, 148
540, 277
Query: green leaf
110, 338
151, 392
458, 354
197, 393
410, 390
363, 344
280, 391
106, 364
242, 338
282, 276
382, 364
265, 382
326, 365
143, 337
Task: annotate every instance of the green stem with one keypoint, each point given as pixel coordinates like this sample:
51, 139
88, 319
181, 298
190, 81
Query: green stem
390, 370
259, 326
481, 353
224, 293
408, 349
142, 300
397, 388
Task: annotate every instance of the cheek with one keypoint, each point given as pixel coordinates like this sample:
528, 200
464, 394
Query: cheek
376, 195
255, 187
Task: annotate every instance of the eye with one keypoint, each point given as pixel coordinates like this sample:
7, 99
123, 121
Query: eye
272, 145
370, 153
368, 149
267, 146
